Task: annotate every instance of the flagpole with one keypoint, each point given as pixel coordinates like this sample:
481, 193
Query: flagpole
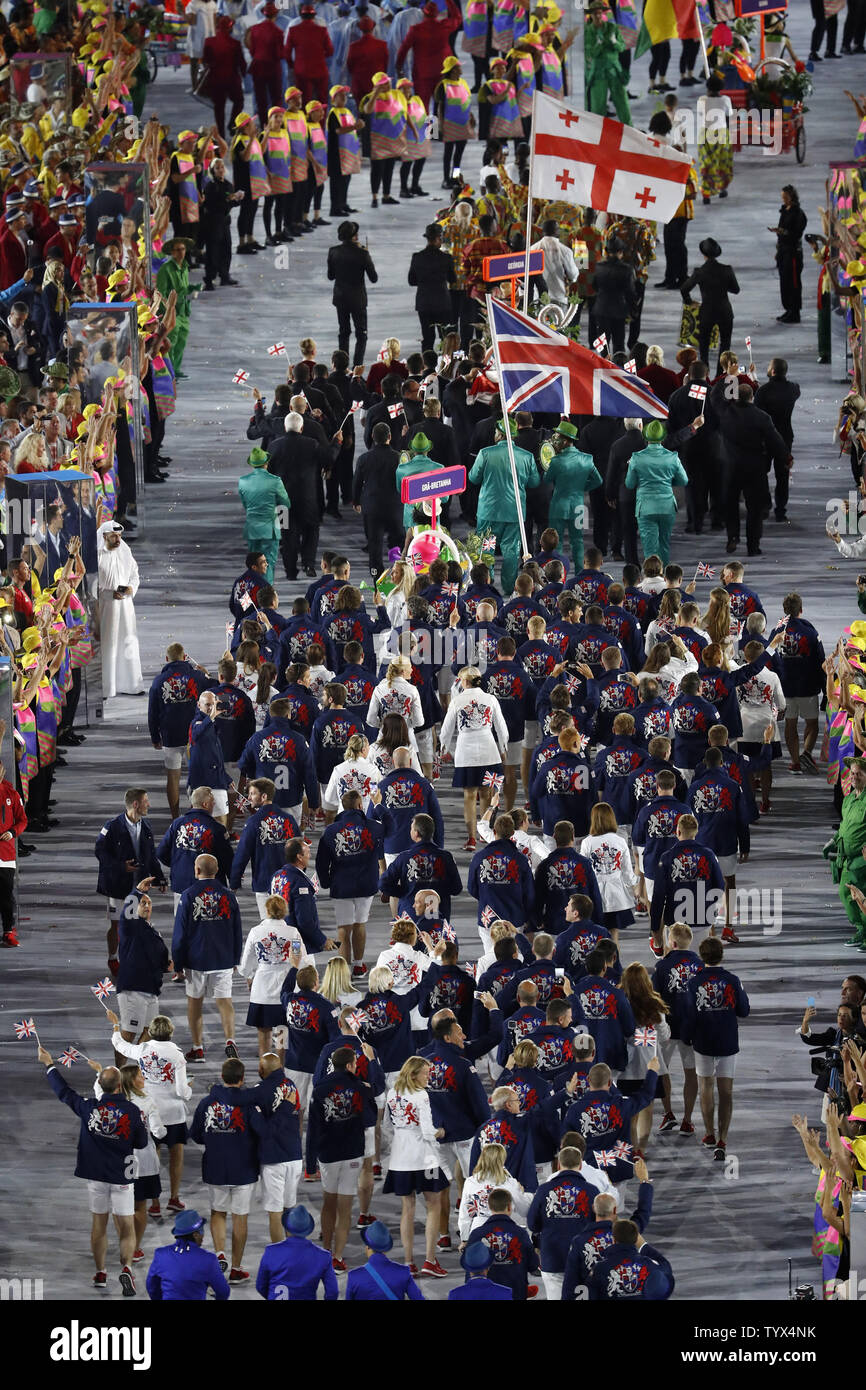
702, 39
528, 212
508, 440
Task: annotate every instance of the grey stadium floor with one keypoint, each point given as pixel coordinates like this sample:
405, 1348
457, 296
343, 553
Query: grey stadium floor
728, 1234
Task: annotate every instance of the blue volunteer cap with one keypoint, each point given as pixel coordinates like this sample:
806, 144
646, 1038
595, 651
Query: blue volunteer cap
187, 1223
298, 1221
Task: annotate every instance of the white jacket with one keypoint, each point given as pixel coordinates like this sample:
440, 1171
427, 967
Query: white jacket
163, 1067
669, 676
384, 763
406, 965
762, 702
267, 958
352, 775
532, 846
610, 857
474, 729
414, 1147
400, 697
640, 1055
474, 1209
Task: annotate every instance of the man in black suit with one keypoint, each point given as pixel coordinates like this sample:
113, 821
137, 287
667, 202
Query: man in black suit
302, 385
380, 411
615, 297
300, 461
348, 265
751, 444
375, 495
716, 281
700, 452
268, 425
431, 271
778, 396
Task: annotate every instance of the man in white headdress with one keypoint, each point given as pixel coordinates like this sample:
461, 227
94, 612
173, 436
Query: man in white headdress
118, 585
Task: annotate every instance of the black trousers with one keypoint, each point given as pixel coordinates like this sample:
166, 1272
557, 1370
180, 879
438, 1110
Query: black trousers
378, 524
38, 793
706, 324
340, 477
627, 522
125, 470
676, 255
247, 215
298, 198
352, 316
613, 330
218, 251
817, 7
429, 324
381, 174
8, 915
855, 24
636, 313
338, 185
660, 56
452, 154
780, 499
73, 695
752, 484
302, 536
416, 167
790, 268
689, 55
469, 318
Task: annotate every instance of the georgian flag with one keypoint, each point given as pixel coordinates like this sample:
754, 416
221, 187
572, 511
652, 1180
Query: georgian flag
600, 343
240, 377
276, 349
697, 391
578, 157
630, 366
395, 409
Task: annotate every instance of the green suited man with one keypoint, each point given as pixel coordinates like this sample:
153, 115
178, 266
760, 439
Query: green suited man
603, 44
572, 473
497, 507
655, 471
846, 851
416, 460
174, 275
262, 493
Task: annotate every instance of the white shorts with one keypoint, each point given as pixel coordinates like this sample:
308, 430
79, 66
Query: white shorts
424, 741
514, 754
304, 1085
552, 1286
687, 774
115, 1197
136, 1010
295, 812
459, 1149
686, 1053
530, 734
234, 1199
349, 910
341, 1178
715, 1066
801, 707
280, 1184
261, 899
370, 1142
215, 983
114, 906
172, 758
728, 866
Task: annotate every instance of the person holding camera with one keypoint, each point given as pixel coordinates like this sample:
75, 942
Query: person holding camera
206, 766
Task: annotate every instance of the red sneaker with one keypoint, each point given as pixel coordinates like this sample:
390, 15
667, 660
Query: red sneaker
338, 1266
9, 939
238, 1276
443, 1243
359, 971
531, 1290
127, 1283
730, 935
377, 1170
413, 1270
100, 1280
174, 1204
471, 843
709, 1141
365, 1219
669, 1121
154, 1209
656, 950
137, 1256
433, 1269
687, 1127
312, 1177
195, 1055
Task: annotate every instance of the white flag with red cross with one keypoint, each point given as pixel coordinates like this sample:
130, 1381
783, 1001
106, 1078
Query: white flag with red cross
578, 157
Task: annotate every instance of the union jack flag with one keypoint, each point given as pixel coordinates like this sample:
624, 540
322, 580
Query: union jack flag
240, 377
395, 409
356, 1019
697, 391
450, 590
275, 349
102, 988
492, 779
26, 1028
437, 766
245, 602
67, 1058
571, 683
705, 571
621, 1149
542, 370
605, 1158
644, 1037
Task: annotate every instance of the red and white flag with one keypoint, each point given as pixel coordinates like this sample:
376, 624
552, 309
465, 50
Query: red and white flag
697, 391
70, 1056
578, 157
600, 343
749, 344
26, 1028
355, 407
630, 366
240, 377
102, 989
704, 571
395, 409
276, 349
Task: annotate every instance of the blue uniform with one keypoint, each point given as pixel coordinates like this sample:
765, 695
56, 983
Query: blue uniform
557, 877
692, 717
513, 688
688, 886
280, 753
559, 1209
406, 794
263, 846
297, 888
342, 1109
608, 1017
655, 829
593, 1241
623, 1272
714, 1000
458, 1101
207, 928
311, 1024
514, 1133
719, 806
184, 1272
141, 954
206, 764
114, 847
423, 865
331, 733
303, 711
228, 1125
111, 1130
192, 834
347, 859
363, 1287
501, 879
172, 702
613, 768
292, 1269
513, 1253
562, 789
670, 979
480, 1290
615, 694
574, 944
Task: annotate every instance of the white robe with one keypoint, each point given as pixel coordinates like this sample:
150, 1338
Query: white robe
118, 637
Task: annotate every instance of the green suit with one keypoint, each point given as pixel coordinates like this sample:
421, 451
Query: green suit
654, 472
603, 71
175, 277
418, 463
497, 507
572, 473
849, 865
261, 493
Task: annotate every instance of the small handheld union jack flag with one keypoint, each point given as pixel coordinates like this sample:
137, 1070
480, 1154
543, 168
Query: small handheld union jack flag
70, 1056
704, 571
749, 344
450, 590
493, 779
571, 683
644, 1037
245, 601
605, 1158
630, 366
276, 349
26, 1029
488, 917
697, 391
240, 377
600, 343
356, 1019
437, 766
102, 989
621, 1149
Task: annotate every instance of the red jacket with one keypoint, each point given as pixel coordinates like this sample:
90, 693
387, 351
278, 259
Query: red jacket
308, 48
428, 41
12, 818
67, 247
661, 380
366, 56
225, 58
13, 258
265, 44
